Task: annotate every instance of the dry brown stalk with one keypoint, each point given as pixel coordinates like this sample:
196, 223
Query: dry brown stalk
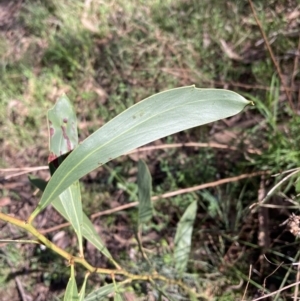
287, 92
164, 196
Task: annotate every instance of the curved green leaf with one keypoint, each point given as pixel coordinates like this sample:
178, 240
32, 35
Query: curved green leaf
144, 192
37, 182
158, 116
88, 230
71, 290
183, 237
71, 201
118, 297
102, 292
62, 124
63, 138
82, 291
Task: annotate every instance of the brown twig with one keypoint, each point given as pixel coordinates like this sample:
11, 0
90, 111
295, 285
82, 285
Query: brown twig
164, 196
288, 95
208, 185
296, 66
24, 170
295, 72
263, 224
278, 291
249, 277
246, 86
193, 144
20, 169
178, 73
297, 286
265, 280
23, 173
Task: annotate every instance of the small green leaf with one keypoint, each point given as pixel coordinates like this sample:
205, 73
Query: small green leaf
158, 116
183, 237
62, 124
71, 290
101, 293
213, 204
37, 182
144, 192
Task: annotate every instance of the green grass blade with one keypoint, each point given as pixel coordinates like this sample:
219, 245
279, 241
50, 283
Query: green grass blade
297, 185
158, 116
144, 192
183, 237
71, 290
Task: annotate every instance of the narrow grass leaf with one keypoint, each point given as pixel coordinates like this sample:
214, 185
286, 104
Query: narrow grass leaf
71, 290
144, 191
183, 238
297, 185
101, 293
158, 116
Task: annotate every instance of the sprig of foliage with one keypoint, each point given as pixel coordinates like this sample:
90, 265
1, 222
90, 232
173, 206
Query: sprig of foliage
156, 117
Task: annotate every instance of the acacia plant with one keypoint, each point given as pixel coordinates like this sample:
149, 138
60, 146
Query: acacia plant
158, 116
